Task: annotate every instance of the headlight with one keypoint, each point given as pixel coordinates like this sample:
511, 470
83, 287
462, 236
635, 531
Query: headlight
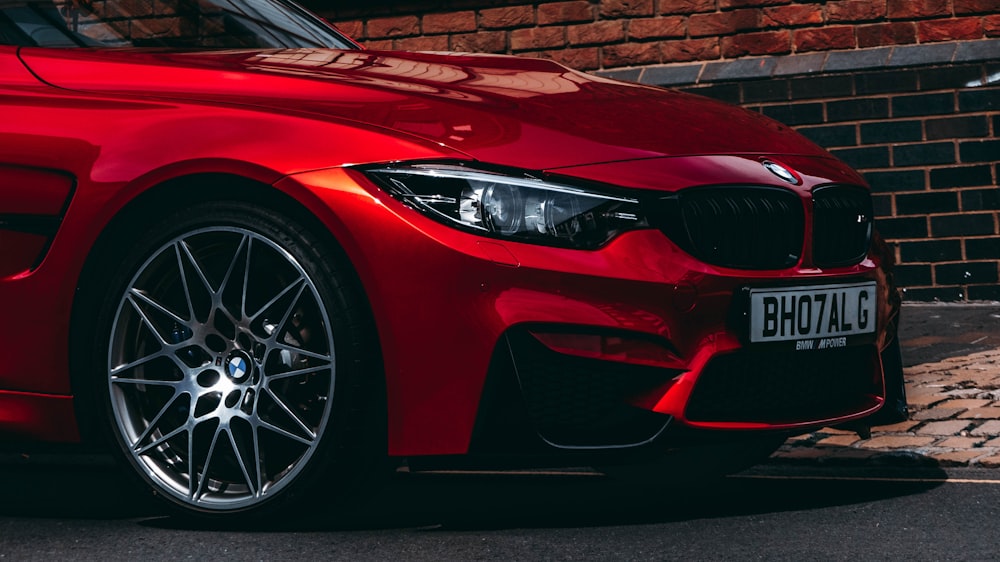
519, 208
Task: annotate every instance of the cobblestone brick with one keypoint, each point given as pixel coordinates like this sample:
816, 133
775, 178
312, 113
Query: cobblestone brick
989, 462
957, 458
967, 403
991, 427
839, 441
952, 427
938, 413
897, 442
901, 427
981, 414
960, 442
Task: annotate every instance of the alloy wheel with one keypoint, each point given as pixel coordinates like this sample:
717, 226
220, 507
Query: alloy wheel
221, 368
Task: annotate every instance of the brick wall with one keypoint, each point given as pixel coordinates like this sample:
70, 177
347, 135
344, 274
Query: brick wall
604, 34
926, 139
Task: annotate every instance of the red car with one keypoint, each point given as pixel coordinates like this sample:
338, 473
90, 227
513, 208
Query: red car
258, 260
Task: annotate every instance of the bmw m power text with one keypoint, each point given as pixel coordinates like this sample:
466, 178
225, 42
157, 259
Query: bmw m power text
262, 264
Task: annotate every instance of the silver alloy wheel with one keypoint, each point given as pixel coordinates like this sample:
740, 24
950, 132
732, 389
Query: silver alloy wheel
221, 368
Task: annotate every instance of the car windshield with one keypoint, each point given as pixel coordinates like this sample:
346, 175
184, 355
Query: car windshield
187, 24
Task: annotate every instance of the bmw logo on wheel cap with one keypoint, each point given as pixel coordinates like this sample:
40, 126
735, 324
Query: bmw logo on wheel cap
782, 172
238, 366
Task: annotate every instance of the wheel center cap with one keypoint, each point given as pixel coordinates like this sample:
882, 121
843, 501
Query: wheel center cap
238, 366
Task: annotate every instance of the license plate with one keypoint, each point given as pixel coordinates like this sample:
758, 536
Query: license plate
823, 314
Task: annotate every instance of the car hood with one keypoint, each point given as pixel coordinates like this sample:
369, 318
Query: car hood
529, 113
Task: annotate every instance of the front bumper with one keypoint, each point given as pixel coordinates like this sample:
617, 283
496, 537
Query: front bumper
478, 336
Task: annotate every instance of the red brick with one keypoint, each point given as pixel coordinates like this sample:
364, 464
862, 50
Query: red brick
991, 25
686, 6
393, 27
949, 30
427, 43
586, 58
481, 42
630, 54
601, 32
900, 33
657, 28
619, 8
690, 49
976, 6
454, 22
511, 16
855, 10
537, 38
380, 45
156, 27
353, 29
725, 4
824, 39
761, 43
784, 16
722, 23
565, 12
909, 9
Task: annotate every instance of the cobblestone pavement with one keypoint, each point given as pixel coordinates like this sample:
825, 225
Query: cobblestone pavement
954, 421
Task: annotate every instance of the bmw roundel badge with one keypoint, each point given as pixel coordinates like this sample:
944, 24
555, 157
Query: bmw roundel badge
782, 172
238, 366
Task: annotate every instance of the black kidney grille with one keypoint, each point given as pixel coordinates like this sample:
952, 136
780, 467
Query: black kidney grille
745, 227
842, 225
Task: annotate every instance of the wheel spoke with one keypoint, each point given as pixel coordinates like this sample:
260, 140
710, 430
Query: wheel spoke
300, 351
156, 419
148, 300
208, 462
246, 279
278, 297
242, 462
288, 314
157, 442
184, 281
257, 461
296, 372
285, 433
197, 267
295, 417
193, 479
142, 360
154, 382
232, 265
148, 322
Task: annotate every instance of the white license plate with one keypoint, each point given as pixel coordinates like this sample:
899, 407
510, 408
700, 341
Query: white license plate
825, 312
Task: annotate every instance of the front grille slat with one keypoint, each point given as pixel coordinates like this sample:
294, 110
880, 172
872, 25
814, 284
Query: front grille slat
763, 227
842, 225
745, 227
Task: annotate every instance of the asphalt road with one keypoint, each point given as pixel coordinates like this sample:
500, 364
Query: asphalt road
932, 332
778, 512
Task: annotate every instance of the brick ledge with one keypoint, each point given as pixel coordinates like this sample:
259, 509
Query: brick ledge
685, 74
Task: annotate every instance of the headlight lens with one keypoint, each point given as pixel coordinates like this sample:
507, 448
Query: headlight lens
504, 206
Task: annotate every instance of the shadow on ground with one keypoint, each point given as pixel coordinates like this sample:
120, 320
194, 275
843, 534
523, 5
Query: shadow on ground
56, 487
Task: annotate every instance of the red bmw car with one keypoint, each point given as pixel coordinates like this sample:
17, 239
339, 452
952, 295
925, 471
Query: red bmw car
258, 261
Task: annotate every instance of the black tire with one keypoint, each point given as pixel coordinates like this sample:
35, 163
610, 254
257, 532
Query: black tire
233, 365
